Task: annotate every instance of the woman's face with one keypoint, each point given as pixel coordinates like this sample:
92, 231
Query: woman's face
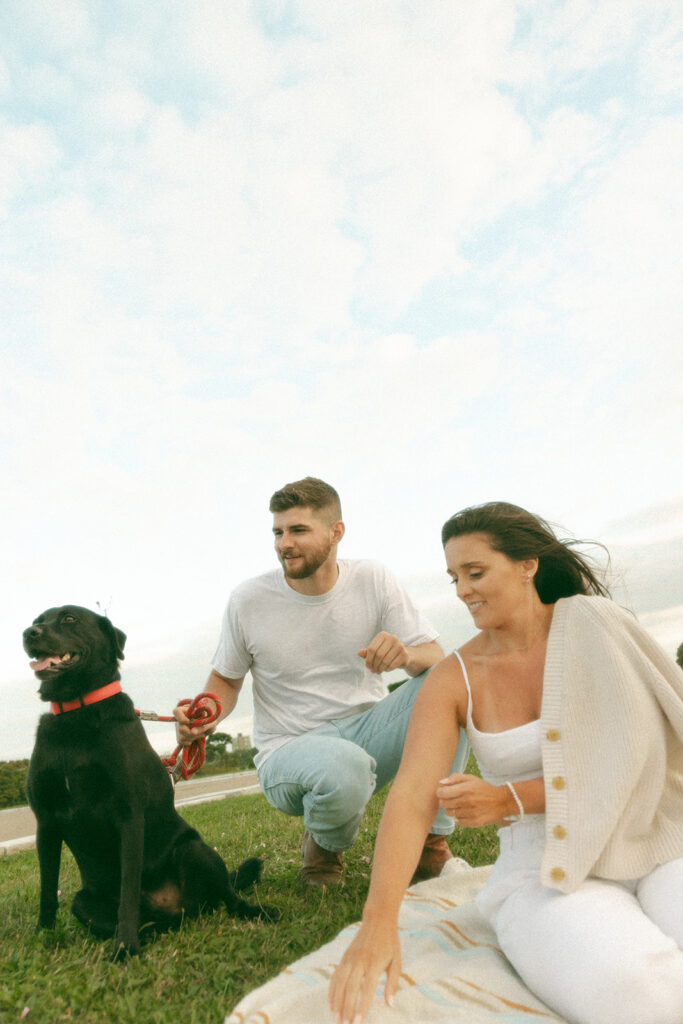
487, 581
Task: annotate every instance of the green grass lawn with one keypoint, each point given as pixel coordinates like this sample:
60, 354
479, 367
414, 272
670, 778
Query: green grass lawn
198, 974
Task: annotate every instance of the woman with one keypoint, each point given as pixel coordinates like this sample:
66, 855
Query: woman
576, 718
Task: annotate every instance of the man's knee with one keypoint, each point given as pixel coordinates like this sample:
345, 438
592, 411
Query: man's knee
285, 796
345, 780
330, 772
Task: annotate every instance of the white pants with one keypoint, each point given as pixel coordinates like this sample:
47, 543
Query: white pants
609, 953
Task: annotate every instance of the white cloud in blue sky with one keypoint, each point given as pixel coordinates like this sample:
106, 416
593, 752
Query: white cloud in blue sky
430, 252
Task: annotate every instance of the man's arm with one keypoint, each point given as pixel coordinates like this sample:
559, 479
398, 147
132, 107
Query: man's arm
386, 652
227, 691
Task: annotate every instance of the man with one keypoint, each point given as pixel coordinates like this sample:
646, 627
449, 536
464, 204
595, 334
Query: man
316, 636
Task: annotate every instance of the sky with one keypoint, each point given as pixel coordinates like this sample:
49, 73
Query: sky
428, 252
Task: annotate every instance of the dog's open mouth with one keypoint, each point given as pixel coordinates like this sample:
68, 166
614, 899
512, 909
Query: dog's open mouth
53, 662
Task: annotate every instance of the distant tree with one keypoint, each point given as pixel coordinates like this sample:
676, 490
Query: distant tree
216, 745
394, 686
679, 655
13, 783
231, 761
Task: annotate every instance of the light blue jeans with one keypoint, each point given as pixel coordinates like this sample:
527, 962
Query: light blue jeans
329, 774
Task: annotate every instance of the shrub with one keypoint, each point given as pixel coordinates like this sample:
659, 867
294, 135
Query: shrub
230, 761
13, 783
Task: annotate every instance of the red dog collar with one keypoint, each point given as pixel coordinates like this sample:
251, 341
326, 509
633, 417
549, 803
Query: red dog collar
88, 698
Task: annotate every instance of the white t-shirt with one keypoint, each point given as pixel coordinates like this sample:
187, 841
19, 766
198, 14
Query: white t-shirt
303, 651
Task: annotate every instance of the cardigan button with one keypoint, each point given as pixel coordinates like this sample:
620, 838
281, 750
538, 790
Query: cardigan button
558, 782
560, 832
553, 735
557, 875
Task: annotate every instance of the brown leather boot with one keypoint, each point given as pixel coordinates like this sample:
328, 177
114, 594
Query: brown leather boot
321, 867
434, 855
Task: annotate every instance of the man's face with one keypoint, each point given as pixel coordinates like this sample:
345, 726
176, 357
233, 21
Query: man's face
304, 540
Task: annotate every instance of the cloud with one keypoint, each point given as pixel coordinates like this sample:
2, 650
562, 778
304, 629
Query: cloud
648, 524
428, 253
630, 230
54, 29
312, 182
316, 189
28, 154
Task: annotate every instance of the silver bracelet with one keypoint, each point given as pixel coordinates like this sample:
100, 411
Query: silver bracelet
519, 803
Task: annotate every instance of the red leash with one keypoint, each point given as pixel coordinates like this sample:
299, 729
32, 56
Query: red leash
192, 757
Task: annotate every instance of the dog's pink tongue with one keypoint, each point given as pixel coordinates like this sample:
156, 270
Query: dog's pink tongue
38, 666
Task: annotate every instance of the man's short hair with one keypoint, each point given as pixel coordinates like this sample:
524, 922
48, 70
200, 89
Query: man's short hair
310, 493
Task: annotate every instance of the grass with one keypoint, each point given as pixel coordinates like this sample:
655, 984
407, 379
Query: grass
198, 974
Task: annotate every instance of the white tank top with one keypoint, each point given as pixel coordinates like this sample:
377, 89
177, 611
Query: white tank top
513, 754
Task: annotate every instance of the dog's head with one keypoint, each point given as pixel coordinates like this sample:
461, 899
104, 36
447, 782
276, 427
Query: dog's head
74, 650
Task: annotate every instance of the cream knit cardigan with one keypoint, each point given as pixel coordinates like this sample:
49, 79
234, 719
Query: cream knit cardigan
612, 742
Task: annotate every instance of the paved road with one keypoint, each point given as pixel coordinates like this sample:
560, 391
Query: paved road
18, 825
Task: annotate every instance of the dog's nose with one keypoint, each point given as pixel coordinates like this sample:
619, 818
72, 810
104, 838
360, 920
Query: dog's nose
32, 633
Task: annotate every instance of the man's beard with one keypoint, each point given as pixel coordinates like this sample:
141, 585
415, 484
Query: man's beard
308, 565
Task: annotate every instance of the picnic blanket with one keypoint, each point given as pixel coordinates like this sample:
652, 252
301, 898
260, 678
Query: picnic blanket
452, 969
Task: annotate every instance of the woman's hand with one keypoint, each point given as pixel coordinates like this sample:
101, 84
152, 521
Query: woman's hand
353, 985
471, 801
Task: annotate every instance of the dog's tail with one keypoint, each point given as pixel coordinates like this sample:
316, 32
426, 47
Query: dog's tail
248, 873
206, 882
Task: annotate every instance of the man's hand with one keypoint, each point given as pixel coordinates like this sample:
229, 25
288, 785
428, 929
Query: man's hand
227, 692
385, 653
187, 734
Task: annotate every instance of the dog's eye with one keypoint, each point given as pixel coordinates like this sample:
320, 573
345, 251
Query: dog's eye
69, 618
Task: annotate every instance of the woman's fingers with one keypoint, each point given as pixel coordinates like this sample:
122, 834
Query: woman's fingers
355, 981
470, 800
393, 975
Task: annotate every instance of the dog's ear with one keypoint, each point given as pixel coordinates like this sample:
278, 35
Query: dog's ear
118, 637
120, 640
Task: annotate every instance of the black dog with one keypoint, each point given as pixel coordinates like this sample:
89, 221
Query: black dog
95, 783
